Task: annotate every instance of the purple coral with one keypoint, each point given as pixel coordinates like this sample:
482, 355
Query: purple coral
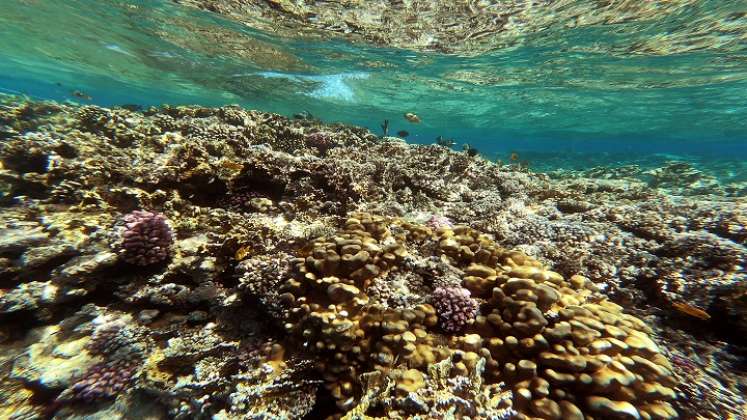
104, 380
455, 307
322, 141
123, 358
437, 222
146, 239
110, 337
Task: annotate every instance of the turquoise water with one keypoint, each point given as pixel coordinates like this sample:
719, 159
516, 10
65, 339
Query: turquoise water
674, 83
197, 263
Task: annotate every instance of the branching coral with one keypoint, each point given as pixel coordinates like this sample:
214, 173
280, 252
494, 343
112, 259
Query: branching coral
115, 342
455, 308
146, 239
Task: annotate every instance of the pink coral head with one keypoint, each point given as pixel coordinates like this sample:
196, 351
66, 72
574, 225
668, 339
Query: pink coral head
455, 307
322, 141
437, 222
147, 238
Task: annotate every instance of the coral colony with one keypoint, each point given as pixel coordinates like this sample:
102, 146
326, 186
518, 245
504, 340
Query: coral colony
290, 268
146, 239
455, 307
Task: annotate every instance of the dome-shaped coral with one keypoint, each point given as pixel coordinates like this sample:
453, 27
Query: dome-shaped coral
147, 238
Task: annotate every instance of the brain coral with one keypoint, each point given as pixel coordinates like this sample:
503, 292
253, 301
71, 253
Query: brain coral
562, 351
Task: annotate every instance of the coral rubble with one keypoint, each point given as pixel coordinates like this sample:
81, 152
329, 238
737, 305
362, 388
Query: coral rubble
189, 262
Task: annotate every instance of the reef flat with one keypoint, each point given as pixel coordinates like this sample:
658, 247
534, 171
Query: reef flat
190, 262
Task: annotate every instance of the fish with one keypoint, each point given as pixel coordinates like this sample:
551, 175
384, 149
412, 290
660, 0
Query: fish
132, 107
441, 141
234, 166
385, 127
409, 116
242, 252
514, 156
471, 151
691, 310
81, 95
403, 133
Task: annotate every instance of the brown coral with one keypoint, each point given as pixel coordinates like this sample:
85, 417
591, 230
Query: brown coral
562, 353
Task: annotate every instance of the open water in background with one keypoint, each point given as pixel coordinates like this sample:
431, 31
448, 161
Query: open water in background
562, 97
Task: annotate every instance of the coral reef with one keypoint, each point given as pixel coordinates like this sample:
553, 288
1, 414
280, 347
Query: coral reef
563, 352
302, 266
671, 177
456, 395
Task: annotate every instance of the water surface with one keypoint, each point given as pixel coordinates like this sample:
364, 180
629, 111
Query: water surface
663, 77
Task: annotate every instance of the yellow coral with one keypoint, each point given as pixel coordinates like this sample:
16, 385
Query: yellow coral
562, 355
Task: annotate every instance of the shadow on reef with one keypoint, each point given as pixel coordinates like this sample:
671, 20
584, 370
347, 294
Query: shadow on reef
187, 262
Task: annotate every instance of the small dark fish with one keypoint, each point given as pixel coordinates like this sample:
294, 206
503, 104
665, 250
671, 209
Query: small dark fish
385, 127
81, 95
132, 107
471, 151
441, 141
514, 156
403, 133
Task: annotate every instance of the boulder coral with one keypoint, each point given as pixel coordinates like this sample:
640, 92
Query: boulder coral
563, 350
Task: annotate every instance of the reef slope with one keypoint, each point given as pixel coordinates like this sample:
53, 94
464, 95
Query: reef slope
319, 270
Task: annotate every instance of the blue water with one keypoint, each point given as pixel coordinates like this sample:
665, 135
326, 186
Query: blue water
555, 86
673, 84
